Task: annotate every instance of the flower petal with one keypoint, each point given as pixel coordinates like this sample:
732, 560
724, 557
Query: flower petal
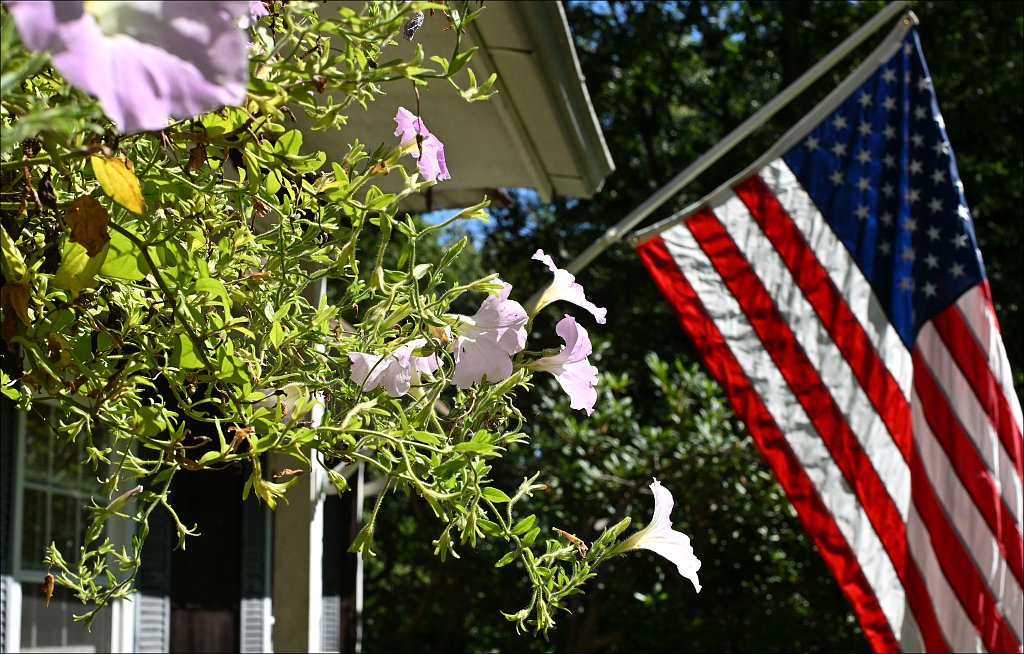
659, 537
573, 372
565, 287
426, 364
429, 152
579, 380
155, 61
478, 357
506, 318
372, 370
409, 125
675, 546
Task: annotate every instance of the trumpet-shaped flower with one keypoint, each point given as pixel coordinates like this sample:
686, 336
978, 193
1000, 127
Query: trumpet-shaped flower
564, 287
145, 61
660, 538
484, 344
426, 148
395, 372
570, 367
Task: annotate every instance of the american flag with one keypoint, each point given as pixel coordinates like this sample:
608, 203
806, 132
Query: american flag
836, 291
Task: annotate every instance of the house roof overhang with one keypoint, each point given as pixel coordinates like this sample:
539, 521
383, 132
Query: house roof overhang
539, 131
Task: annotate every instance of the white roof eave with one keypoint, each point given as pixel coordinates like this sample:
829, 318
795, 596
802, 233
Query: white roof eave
539, 131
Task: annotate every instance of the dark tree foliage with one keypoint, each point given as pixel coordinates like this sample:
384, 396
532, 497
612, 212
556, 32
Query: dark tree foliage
668, 80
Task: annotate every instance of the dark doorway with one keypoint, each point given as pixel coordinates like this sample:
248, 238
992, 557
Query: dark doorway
206, 576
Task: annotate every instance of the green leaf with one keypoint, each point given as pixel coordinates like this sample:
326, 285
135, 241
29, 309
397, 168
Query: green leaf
488, 527
124, 260
505, 560
183, 355
461, 60
77, 269
213, 287
276, 334
531, 536
452, 252
495, 495
290, 142
232, 369
524, 525
14, 268
426, 437
473, 447
149, 421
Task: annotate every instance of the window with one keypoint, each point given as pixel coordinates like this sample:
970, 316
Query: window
54, 487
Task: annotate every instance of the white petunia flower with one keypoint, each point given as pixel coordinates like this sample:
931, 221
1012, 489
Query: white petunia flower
660, 538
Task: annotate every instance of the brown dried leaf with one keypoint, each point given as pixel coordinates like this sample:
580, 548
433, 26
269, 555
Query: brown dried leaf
289, 472
259, 276
13, 302
260, 207
88, 222
14, 297
48, 588
196, 157
241, 434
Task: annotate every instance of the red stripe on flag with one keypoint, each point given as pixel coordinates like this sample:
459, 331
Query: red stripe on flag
973, 362
958, 566
805, 383
846, 331
969, 467
986, 292
814, 516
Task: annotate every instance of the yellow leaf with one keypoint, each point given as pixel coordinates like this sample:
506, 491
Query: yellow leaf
119, 182
88, 222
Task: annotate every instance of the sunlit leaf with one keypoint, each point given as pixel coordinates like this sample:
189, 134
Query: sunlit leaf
124, 259
77, 269
119, 182
13, 263
183, 355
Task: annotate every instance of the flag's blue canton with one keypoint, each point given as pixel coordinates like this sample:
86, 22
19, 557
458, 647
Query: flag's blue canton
882, 173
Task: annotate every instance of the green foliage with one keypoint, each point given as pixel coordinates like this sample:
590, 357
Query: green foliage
672, 424
160, 289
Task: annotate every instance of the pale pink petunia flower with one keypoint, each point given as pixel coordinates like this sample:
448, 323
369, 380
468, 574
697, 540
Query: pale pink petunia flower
429, 152
146, 62
395, 372
564, 287
571, 368
484, 343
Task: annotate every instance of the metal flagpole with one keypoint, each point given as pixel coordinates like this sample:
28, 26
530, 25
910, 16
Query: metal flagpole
676, 184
